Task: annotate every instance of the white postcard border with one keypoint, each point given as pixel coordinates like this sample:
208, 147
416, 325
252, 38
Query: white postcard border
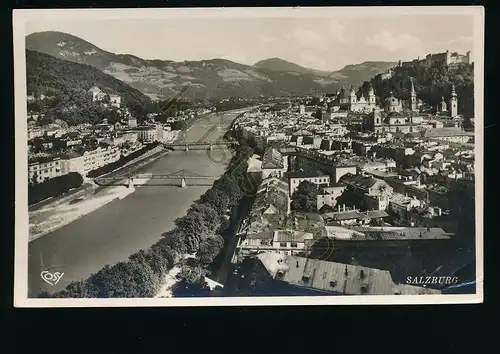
20, 17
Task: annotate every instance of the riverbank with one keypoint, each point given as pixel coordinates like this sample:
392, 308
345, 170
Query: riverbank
49, 219
52, 216
141, 221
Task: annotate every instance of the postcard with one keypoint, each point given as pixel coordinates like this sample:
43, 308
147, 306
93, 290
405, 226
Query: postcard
248, 156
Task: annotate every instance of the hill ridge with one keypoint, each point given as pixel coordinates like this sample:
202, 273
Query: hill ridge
214, 78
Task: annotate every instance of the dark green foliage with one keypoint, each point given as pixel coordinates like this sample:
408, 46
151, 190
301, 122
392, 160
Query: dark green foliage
176, 239
305, 197
79, 289
178, 125
191, 282
134, 278
431, 84
209, 249
69, 82
217, 199
53, 187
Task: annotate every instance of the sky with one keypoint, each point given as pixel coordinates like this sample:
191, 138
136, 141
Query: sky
324, 43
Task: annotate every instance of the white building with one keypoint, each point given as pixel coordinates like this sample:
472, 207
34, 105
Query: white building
280, 241
296, 178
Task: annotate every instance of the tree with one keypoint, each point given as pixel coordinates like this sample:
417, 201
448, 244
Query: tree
193, 225
305, 197
209, 249
191, 282
132, 279
176, 239
79, 289
160, 258
209, 214
217, 199
178, 125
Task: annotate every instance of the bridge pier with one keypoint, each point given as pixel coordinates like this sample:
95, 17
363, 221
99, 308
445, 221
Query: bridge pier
210, 147
183, 183
187, 148
130, 183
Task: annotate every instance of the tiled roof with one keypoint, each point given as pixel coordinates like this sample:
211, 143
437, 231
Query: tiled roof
272, 159
400, 233
333, 277
263, 235
292, 236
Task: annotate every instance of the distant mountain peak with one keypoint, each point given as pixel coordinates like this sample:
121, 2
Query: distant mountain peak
210, 78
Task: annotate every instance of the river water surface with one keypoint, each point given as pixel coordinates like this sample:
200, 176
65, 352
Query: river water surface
115, 231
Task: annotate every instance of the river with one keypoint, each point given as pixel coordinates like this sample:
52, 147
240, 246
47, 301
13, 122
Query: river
113, 232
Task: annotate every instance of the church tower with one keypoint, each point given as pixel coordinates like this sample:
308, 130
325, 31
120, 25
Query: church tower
453, 102
442, 106
376, 118
352, 95
371, 96
413, 98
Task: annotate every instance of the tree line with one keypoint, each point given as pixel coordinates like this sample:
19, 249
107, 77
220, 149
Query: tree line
199, 232
53, 187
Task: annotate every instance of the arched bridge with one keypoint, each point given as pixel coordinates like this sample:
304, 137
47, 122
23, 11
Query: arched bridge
209, 145
180, 178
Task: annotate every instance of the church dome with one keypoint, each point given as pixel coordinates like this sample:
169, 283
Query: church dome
394, 115
391, 100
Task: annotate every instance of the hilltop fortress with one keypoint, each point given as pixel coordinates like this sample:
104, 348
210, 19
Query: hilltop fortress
446, 59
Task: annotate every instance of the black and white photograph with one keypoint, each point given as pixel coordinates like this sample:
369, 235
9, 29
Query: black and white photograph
248, 156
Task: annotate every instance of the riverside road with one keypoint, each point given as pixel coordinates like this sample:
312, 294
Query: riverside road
113, 232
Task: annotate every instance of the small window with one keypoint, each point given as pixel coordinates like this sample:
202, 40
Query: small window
282, 244
293, 244
333, 283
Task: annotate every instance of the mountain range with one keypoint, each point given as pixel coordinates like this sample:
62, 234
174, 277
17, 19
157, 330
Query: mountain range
205, 79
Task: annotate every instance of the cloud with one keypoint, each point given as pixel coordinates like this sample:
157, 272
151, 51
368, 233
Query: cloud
311, 60
399, 43
267, 39
336, 31
304, 37
461, 40
460, 44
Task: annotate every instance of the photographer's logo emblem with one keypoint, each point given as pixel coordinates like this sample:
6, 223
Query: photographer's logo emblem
51, 278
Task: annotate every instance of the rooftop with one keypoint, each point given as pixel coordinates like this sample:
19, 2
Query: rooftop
335, 278
306, 174
272, 159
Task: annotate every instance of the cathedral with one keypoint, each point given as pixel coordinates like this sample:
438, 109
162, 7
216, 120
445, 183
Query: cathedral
350, 102
394, 119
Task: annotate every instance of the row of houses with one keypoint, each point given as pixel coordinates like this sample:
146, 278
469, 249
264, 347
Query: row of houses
82, 162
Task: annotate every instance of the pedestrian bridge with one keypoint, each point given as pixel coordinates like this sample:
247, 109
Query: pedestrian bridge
180, 178
198, 145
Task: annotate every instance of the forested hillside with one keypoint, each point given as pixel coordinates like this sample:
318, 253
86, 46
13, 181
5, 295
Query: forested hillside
69, 82
430, 84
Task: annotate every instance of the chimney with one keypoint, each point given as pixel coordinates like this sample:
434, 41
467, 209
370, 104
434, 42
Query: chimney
297, 264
